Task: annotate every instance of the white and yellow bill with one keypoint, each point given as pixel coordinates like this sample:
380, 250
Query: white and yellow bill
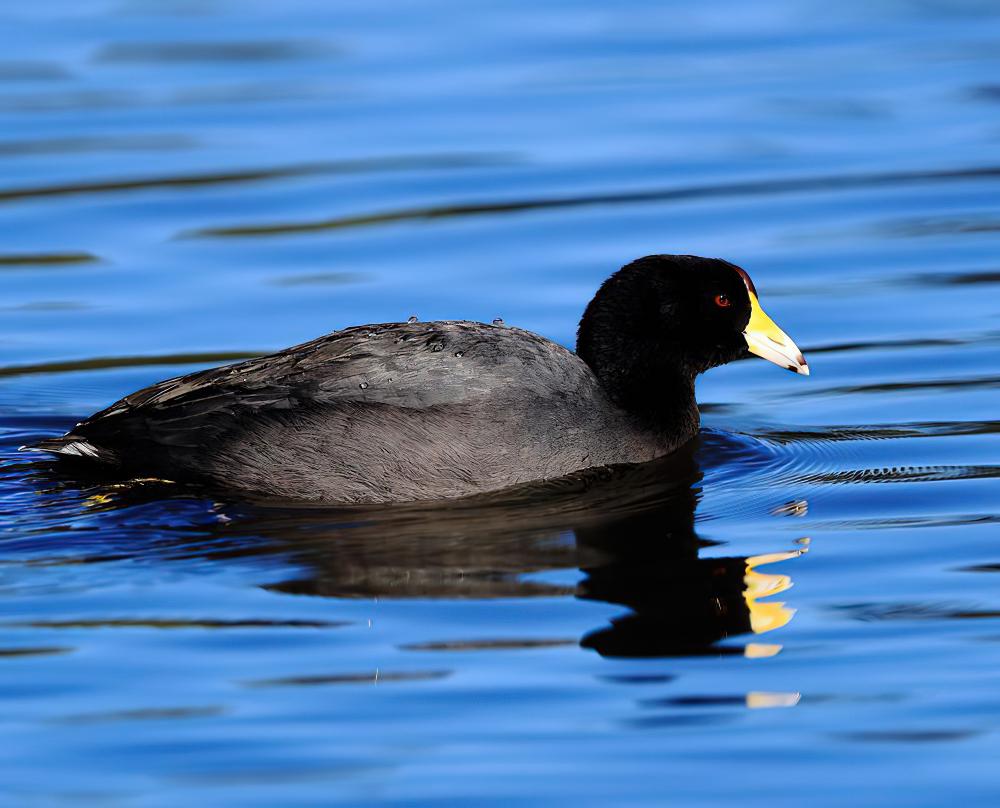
769, 342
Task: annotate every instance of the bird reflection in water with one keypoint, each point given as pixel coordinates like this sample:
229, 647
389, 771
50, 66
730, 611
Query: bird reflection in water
629, 530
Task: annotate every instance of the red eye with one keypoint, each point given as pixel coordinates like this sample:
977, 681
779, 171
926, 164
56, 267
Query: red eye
722, 301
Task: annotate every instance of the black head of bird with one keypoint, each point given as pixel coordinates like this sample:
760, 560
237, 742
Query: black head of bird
661, 320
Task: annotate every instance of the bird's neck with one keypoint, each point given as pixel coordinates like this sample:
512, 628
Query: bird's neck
657, 393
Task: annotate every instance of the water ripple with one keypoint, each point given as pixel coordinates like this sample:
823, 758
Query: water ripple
216, 51
176, 623
375, 677
108, 362
47, 259
901, 474
750, 188
374, 164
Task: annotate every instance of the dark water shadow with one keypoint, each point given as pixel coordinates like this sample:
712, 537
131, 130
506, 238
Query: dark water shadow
909, 611
629, 531
889, 344
46, 259
81, 144
322, 168
141, 714
367, 677
69, 100
975, 382
333, 278
982, 278
909, 736
204, 623
107, 362
36, 70
239, 51
746, 189
944, 226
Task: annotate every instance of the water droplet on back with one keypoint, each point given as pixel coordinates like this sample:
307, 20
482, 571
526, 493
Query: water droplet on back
411, 319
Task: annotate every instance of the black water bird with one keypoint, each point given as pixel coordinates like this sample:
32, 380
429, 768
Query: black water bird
433, 410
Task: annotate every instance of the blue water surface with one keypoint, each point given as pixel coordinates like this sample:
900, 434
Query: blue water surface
803, 610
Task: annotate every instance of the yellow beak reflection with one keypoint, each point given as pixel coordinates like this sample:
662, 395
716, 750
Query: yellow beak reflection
769, 342
768, 615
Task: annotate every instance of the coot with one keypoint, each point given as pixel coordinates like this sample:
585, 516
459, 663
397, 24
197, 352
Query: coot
433, 410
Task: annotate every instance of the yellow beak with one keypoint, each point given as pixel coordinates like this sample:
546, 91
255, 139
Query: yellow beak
769, 342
